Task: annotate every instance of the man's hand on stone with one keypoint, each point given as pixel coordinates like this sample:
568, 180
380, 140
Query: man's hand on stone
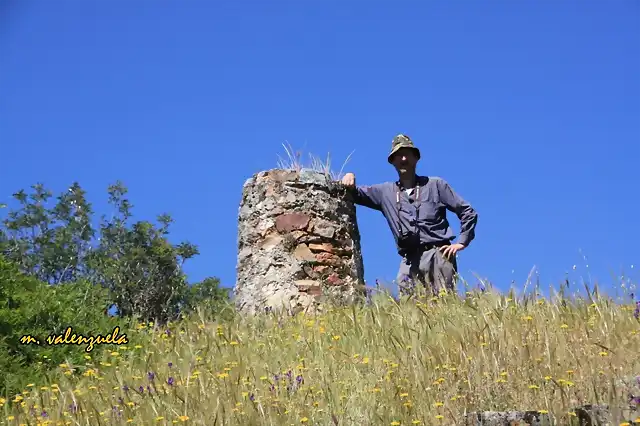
349, 179
451, 250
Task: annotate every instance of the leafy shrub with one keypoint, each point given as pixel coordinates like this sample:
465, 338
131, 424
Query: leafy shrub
29, 306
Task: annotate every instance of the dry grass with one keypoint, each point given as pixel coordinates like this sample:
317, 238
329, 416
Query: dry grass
392, 362
294, 162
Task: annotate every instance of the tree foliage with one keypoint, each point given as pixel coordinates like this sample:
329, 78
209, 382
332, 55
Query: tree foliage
133, 260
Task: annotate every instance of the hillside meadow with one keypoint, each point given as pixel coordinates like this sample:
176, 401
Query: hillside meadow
408, 361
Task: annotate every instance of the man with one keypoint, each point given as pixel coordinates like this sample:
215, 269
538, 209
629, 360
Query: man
415, 208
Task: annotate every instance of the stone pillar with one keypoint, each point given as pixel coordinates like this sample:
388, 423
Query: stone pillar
298, 243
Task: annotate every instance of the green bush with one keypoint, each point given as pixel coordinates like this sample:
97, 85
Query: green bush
31, 307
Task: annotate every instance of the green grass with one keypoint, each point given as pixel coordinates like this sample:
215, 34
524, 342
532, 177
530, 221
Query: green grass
421, 361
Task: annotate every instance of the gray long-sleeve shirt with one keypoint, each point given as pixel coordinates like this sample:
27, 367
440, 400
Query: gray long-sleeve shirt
427, 216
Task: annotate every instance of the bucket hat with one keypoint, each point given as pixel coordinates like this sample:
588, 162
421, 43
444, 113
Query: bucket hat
402, 141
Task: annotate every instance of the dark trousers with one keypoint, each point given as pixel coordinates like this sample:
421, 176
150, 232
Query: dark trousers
430, 268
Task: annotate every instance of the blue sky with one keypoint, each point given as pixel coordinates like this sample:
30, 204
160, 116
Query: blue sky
530, 109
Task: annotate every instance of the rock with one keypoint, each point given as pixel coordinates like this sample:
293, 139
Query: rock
264, 226
309, 272
593, 415
328, 259
289, 253
312, 176
302, 252
328, 247
297, 235
323, 228
310, 287
288, 222
334, 279
290, 199
508, 418
271, 241
281, 176
248, 183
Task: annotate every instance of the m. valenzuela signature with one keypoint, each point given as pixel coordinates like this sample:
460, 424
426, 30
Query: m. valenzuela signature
70, 338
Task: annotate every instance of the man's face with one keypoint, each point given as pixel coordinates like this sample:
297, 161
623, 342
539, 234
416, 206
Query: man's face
405, 160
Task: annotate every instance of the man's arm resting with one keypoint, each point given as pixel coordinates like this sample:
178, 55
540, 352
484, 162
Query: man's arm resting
367, 195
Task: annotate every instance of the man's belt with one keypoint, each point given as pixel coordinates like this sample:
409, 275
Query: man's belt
425, 246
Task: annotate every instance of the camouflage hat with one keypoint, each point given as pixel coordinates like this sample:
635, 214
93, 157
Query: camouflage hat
402, 141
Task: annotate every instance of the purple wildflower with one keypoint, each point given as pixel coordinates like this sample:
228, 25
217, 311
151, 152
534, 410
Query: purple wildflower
125, 388
299, 380
141, 389
170, 364
170, 381
151, 375
252, 397
44, 414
